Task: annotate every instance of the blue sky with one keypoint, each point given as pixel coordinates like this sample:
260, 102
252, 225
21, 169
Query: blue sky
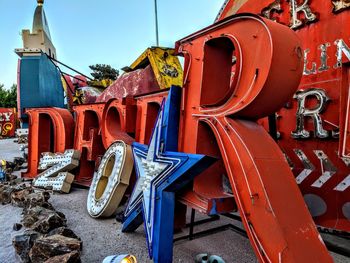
87, 32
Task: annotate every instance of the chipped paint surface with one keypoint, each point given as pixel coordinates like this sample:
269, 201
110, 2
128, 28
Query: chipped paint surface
322, 119
133, 83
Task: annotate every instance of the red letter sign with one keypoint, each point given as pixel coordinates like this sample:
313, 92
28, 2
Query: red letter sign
239, 70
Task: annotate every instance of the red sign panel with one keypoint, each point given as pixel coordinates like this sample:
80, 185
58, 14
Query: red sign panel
7, 122
312, 129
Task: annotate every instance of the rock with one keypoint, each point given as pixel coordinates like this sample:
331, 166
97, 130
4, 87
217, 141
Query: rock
56, 245
73, 257
19, 198
43, 220
18, 162
20, 186
17, 227
23, 243
64, 231
16, 165
11, 177
16, 181
38, 199
5, 194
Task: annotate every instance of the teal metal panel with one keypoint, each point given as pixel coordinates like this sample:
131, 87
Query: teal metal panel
40, 84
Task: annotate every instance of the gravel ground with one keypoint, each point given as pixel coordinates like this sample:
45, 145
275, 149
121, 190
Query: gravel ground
9, 215
9, 150
103, 237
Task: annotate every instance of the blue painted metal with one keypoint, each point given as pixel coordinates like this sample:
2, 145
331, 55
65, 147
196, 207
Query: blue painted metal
161, 173
40, 84
133, 212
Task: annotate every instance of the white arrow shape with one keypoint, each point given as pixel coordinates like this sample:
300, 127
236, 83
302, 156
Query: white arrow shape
308, 166
328, 169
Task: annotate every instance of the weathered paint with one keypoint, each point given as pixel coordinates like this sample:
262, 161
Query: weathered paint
325, 43
165, 65
40, 85
267, 56
8, 122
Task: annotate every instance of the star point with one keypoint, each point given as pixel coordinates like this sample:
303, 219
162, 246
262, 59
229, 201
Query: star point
161, 171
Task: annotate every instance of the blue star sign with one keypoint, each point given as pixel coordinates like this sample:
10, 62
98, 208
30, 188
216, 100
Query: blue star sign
161, 172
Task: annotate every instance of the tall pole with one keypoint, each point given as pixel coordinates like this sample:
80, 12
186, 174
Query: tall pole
156, 18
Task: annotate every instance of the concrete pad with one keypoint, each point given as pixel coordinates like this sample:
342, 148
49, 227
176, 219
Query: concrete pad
103, 237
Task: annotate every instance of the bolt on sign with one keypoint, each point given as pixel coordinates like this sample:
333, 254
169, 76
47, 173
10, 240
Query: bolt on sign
7, 122
313, 128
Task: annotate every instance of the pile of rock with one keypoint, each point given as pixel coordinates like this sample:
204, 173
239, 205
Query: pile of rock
17, 164
6, 191
46, 238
